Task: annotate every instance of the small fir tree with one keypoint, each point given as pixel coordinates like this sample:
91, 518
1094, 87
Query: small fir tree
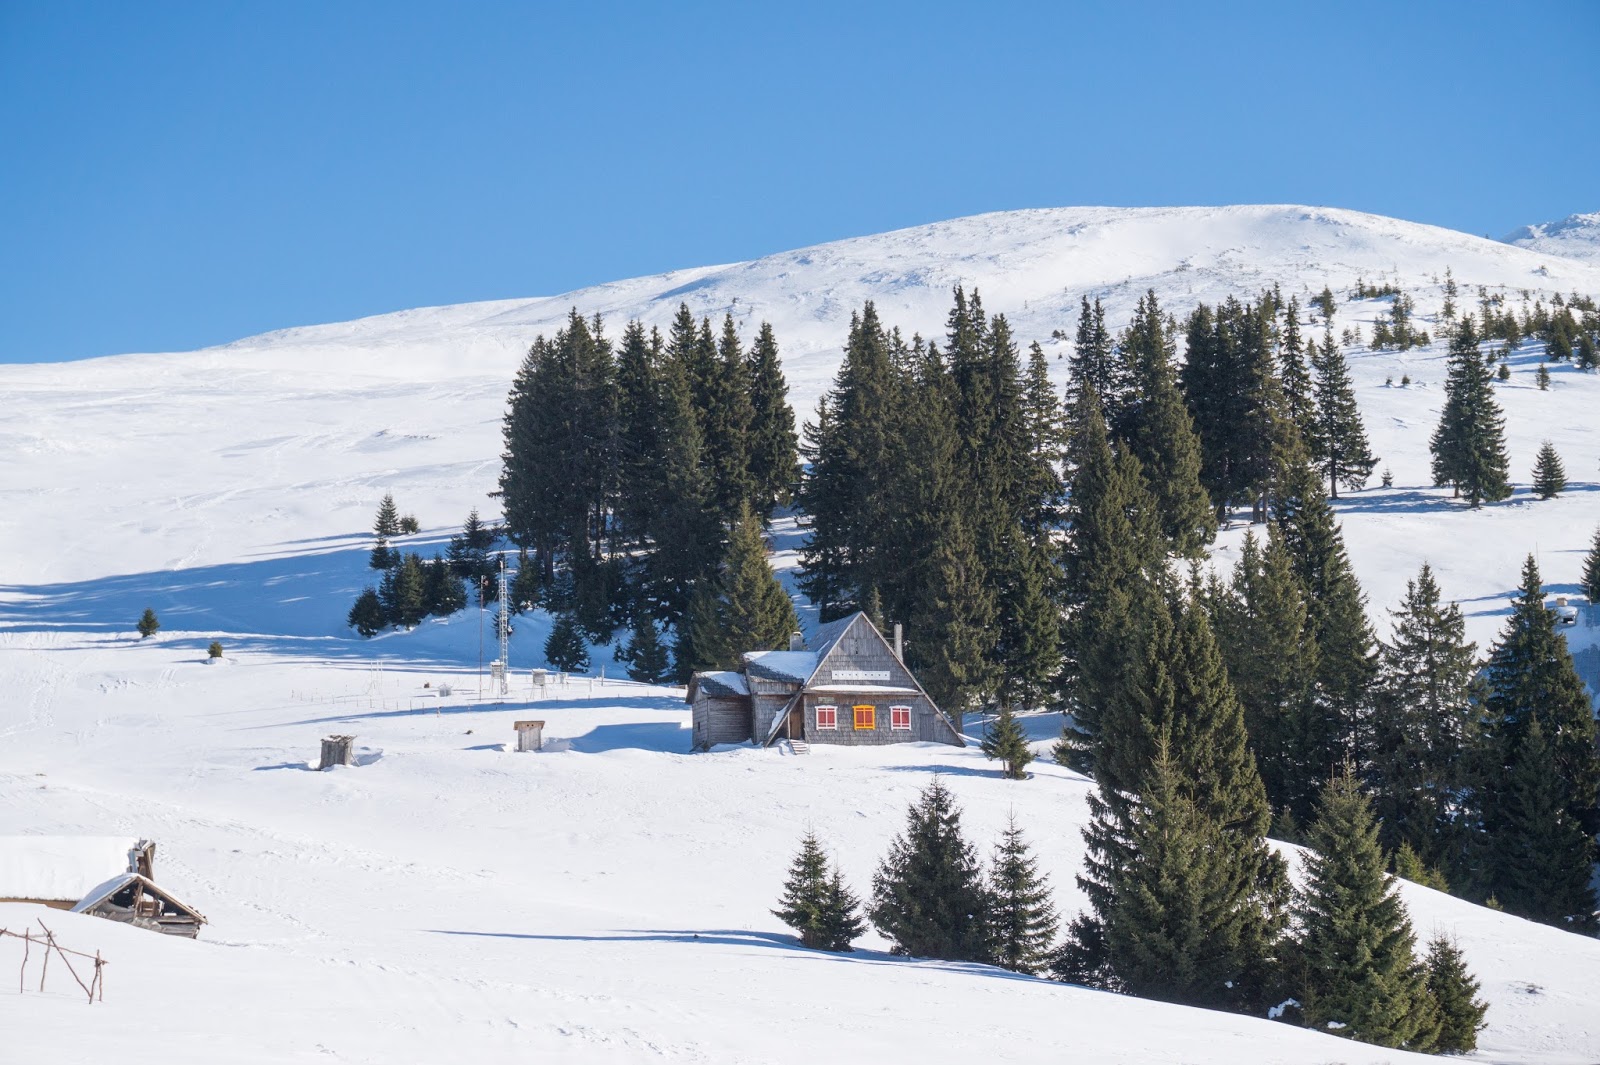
1004, 739
1549, 475
443, 593
816, 903
929, 897
385, 528
1338, 438
1469, 450
148, 624
646, 654
1362, 979
565, 648
1542, 378
1022, 919
1454, 991
367, 616
215, 650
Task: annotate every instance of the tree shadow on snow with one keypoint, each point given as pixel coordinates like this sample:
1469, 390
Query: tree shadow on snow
738, 937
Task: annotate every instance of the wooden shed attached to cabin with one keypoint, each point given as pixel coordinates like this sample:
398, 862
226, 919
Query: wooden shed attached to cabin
849, 687
107, 876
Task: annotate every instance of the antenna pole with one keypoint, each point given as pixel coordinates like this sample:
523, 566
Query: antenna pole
503, 623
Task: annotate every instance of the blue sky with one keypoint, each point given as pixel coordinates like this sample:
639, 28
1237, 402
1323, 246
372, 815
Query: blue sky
176, 175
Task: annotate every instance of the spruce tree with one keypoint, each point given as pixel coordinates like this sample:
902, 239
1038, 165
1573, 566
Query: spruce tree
1361, 978
1336, 727
1298, 397
1468, 446
442, 593
726, 422
749, 610
639, 400
148, 624
1338, 439
816, 903
1004, 739
1541, 378
1022, 918
387, 524
1093, 362
688, 540
367, 616
1045, 424
929, 899
470, 556
1263, 629
1159, 432
1426, 727
565, 649
1454, 991
646, 655
1591, 572
773, 446
956, 668
1530, 672
1178, 709
1541, 853
1549, 475
1176, 929
407, 602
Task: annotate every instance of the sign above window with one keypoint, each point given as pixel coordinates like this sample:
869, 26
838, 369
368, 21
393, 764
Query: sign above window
862, 674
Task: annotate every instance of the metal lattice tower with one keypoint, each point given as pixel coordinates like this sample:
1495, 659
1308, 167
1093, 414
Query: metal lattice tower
503, 624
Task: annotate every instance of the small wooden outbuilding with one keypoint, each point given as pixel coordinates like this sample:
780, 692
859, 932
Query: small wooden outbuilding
848, 687
530, 735
106, 876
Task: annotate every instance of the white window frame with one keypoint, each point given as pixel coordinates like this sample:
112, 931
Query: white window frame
833, 726
893, 727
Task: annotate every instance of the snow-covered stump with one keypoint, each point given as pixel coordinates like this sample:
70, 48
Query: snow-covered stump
337, 750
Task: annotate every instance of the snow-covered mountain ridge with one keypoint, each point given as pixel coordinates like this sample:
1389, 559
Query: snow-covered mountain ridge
1574, 237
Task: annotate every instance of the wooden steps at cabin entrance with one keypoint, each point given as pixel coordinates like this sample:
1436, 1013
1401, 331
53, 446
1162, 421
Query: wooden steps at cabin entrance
800, 746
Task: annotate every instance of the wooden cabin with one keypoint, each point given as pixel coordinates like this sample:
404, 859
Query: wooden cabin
848, 687
106, 876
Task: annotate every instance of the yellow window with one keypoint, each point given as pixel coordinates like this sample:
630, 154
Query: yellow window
866, 718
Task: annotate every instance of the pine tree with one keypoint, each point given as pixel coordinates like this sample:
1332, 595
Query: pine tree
1338, 439
1176, 929
407, 601
1541, 378
955, 669
148, 624
1337, 727
1454, 991
1177, 709
1591, 572
688, 539
1298, 397
726, 422
469, 556
1468, 446
387, 524
749, 611
1110, 561
1263, 628
646, 655
1426, 728
442, 594
816, 902
1549, 475
367, 616
565, 649
1093, 363
1022, 918
638, 431
1004, 739
1530, 673
1356, 948
929, 898
773, 446
1542, 855
1045, 424
1159, 432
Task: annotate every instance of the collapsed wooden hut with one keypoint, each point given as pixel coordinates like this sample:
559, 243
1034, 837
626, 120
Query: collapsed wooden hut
105, 876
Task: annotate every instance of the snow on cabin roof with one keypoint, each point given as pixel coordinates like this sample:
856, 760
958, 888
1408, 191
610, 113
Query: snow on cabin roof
861, 689
782, 665
60, 868
101, 892
723, 682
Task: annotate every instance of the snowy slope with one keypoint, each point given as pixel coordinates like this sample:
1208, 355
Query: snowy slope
448, 899
1574, 237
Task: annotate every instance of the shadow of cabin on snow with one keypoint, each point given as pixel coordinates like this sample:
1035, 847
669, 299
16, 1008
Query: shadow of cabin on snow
849, 687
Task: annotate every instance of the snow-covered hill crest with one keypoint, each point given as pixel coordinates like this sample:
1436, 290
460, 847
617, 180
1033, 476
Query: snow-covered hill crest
1574, 237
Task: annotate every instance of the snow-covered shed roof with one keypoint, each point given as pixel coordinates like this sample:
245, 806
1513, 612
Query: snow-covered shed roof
719, 683
101, 892
61, 868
